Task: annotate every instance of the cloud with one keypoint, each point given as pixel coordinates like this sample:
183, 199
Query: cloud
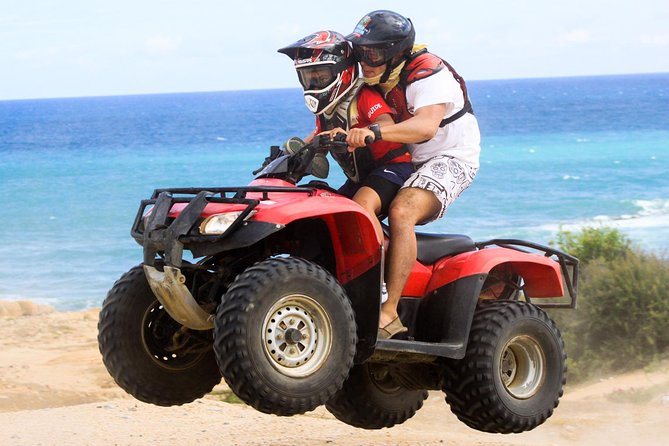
577, 36
161, 44
654, 39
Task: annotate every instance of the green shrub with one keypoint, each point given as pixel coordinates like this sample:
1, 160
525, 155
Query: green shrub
622, 318
594, 243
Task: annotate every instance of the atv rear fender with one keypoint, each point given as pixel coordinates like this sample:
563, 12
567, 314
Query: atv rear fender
541, 275
441, 319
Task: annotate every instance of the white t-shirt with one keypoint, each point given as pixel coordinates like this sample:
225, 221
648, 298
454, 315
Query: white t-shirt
461, 138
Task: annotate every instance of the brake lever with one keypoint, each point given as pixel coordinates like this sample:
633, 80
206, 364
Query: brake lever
337, 144
274, 153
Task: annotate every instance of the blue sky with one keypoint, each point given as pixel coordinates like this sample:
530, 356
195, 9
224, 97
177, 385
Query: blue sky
86, 48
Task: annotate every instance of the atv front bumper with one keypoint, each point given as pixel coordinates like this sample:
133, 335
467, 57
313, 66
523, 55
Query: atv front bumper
167, 236
164, 238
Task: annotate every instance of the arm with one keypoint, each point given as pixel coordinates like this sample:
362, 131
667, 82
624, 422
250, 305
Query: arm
356, 137
310, 137
420, 127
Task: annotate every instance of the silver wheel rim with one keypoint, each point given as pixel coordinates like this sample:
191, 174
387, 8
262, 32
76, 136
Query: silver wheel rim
297, 335
522, 367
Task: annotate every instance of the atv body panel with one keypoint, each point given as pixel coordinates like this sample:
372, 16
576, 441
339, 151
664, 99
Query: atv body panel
266, 206
291, 276
443, 293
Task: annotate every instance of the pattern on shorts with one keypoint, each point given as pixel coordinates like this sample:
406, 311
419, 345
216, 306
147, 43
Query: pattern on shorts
444, 176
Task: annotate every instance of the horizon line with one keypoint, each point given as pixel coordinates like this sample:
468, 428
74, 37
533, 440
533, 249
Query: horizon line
111, 95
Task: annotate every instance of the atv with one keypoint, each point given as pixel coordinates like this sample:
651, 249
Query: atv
279, 293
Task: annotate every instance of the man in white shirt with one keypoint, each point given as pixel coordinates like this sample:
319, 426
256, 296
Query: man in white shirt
434, 118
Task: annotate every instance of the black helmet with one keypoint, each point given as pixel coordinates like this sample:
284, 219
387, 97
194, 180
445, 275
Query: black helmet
387, 33
325, 67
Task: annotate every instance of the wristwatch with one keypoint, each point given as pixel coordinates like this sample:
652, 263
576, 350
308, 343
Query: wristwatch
377, 131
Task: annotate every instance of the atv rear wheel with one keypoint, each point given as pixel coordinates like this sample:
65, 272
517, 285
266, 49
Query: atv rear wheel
512, 375
372, 399
149, 354
285, 336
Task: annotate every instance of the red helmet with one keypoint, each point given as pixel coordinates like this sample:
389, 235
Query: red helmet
325, 67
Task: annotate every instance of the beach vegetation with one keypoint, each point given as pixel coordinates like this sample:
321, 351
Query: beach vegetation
622, 318
601, 243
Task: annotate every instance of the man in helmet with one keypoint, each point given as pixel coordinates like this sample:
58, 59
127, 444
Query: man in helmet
340, 100
435, 120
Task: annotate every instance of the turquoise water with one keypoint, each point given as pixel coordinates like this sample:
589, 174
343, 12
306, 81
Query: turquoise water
564, 152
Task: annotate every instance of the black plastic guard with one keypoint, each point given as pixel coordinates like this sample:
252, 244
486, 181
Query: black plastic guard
157, 234
442, 323
364, 293
446, 314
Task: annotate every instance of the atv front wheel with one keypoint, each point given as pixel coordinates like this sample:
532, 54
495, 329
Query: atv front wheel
149, 354
285, 336
372, 399
512, 375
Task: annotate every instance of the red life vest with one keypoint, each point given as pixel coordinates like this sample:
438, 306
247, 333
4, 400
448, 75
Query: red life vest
420, 65
359, 163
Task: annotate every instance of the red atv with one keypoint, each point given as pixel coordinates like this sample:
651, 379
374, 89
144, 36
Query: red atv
284, 299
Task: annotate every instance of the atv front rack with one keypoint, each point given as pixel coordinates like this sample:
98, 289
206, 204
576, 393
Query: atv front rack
157, 233
568, 265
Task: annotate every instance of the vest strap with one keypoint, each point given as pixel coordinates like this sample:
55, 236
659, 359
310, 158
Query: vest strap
392, 154
466, 109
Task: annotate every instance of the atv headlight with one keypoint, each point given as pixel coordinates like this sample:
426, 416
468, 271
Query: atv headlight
219, 223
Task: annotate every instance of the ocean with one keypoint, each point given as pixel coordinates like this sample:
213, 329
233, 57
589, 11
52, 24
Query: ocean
559, 153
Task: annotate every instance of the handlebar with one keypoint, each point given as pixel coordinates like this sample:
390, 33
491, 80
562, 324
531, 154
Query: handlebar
320, 143
338, 143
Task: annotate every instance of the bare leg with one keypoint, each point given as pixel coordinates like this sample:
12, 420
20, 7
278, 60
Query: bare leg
410, 206
370, 200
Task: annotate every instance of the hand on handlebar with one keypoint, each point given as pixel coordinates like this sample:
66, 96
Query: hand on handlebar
357, 137
360, 137
334, 140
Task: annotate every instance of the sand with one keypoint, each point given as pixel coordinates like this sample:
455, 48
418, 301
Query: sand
54, 390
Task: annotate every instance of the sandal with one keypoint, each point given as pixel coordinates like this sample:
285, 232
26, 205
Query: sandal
393, 328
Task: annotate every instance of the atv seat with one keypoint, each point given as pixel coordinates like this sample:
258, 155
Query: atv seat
432, 247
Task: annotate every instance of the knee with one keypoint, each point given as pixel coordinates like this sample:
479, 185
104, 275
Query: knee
400, 214
412, 207
366, 205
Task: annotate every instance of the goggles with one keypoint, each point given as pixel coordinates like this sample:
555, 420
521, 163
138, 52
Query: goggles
316, 77
373, 56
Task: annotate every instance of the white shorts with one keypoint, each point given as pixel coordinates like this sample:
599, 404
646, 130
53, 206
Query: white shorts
445, 177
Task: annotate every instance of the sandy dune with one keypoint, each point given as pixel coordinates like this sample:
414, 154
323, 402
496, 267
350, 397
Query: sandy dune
54, 390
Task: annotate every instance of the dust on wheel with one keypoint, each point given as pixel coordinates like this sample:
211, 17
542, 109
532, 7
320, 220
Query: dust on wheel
148, 353
372, 399
512, 375
285, 336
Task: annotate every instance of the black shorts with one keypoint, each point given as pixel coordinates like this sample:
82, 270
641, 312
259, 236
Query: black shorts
385, 180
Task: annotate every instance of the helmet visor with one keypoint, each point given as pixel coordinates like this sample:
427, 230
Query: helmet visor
316, 77
370, 55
